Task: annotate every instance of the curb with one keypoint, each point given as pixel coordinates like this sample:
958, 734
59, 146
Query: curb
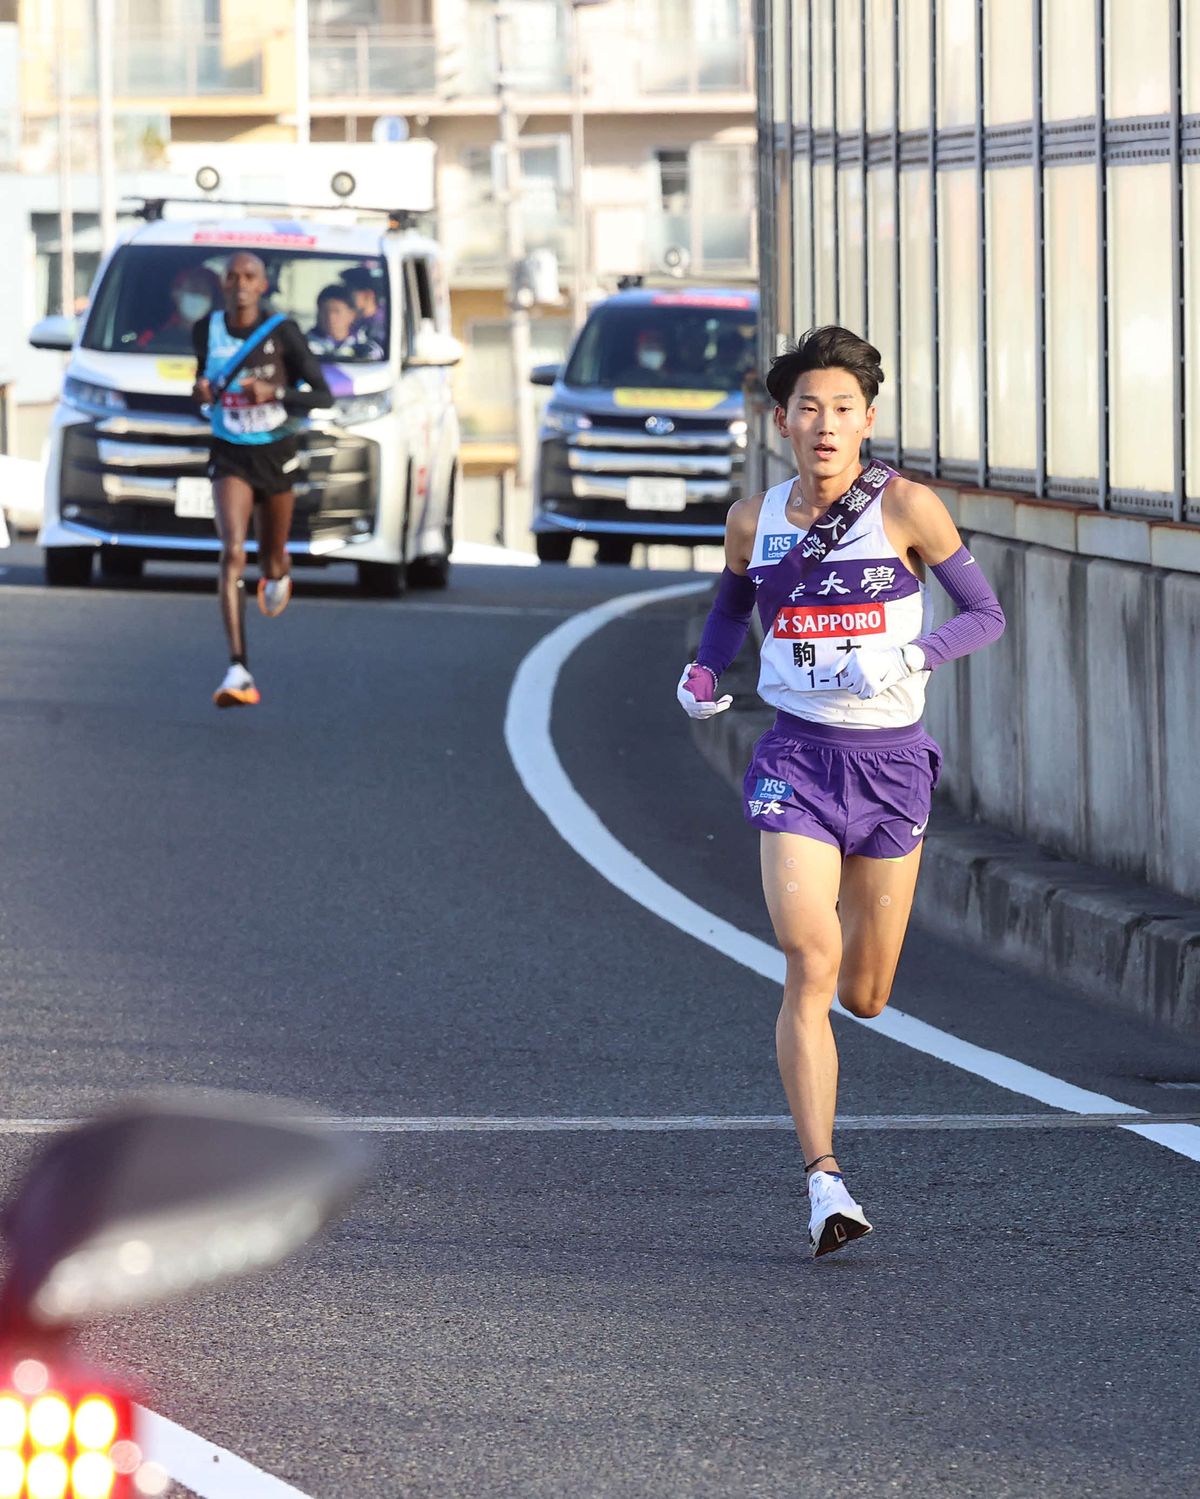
1124, 943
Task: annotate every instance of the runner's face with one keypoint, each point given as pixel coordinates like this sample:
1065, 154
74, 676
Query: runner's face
245, 283
826, 421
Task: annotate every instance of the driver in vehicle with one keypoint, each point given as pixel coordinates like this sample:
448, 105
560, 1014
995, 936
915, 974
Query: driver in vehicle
195, 291
335, 335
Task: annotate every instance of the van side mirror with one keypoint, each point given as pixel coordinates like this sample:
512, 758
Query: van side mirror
159, 1198
56, 333
433, 348
544, 374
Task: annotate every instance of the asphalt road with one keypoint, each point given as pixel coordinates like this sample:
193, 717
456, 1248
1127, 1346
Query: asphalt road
347, 897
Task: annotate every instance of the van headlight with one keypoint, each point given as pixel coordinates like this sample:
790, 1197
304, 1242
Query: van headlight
98, 400
351, 410
559, 419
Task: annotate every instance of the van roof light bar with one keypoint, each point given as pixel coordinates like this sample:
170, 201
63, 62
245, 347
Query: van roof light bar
151, 209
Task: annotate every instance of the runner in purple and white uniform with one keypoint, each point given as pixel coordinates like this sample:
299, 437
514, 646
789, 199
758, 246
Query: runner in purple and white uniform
840, 786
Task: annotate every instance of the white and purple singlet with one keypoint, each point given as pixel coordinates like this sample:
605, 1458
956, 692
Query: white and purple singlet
861, 594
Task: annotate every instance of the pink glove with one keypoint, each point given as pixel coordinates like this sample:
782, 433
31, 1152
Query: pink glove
697, 692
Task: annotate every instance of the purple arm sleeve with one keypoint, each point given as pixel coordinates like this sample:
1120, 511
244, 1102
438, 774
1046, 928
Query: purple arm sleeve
727, 622
980, 619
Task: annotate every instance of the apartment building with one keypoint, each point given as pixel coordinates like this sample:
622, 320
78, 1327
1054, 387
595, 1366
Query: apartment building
660, 92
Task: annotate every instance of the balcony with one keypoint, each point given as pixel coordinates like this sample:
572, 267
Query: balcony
149, 63
160, 62
623, 68
362, 62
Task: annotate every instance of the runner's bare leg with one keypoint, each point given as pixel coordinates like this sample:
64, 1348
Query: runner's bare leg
273, 525
234, 504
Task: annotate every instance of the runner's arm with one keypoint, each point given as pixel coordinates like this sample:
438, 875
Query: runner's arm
933, 536
301, 365
201, 390
728, 619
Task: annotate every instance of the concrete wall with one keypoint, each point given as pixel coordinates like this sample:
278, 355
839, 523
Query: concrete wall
1080, 730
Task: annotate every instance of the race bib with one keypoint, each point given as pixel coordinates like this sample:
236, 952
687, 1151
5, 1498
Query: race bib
241, 419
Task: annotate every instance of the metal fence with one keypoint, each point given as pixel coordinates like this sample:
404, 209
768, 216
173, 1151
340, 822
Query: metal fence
1003, 196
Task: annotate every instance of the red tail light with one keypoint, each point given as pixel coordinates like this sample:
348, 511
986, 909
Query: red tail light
64, 1437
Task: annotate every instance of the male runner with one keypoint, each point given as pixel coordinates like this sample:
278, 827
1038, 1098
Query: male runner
254, 453
840, 787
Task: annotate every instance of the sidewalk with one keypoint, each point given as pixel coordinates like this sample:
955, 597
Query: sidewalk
1126, 944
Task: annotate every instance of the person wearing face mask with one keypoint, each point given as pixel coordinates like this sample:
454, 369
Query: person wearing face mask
195, 291
649, 359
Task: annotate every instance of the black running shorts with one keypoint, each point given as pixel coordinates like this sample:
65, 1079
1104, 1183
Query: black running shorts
268, 467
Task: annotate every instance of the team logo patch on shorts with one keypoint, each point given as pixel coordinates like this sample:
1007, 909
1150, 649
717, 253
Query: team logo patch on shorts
768, 797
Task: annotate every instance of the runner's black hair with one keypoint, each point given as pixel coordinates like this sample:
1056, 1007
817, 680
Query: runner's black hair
827, 348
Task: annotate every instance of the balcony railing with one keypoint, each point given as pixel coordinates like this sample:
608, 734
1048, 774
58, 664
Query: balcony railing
149, 63
360, 62
159, 62
374, 62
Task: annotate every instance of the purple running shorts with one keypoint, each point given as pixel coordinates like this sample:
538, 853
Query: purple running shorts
866, 791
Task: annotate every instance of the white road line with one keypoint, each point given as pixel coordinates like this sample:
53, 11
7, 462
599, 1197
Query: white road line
530, 744
543, 1124
202, 1466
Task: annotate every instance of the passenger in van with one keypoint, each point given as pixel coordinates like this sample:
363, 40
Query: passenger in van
372, 314
335, 335
195, 291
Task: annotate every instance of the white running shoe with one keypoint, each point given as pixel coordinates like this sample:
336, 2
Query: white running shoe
836, 1219
273, 595
237, 690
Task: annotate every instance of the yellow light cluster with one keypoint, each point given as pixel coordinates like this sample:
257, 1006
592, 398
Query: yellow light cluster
34, 1463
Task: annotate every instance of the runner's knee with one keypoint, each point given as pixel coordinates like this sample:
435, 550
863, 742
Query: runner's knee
812, 969
864, 998
233, 555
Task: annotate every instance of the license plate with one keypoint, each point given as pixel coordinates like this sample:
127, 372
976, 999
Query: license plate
656, 494
193, 499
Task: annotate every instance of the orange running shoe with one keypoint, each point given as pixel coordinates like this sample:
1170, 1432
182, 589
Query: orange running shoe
274, 595
237, 690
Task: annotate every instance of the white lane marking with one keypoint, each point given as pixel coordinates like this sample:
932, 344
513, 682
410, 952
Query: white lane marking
527, 734
209, 1470
535, 1124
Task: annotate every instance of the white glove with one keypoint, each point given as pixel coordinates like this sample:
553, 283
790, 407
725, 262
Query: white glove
697, 690
869, 670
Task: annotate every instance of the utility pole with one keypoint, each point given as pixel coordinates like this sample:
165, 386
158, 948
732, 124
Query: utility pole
514, 239
104, 124
578, 278
66, 206
578, 204
303, 83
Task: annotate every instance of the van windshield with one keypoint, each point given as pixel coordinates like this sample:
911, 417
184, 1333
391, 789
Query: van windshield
152, 295
672, 342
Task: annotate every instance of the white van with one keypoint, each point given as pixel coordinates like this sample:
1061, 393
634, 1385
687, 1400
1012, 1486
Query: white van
128, 448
